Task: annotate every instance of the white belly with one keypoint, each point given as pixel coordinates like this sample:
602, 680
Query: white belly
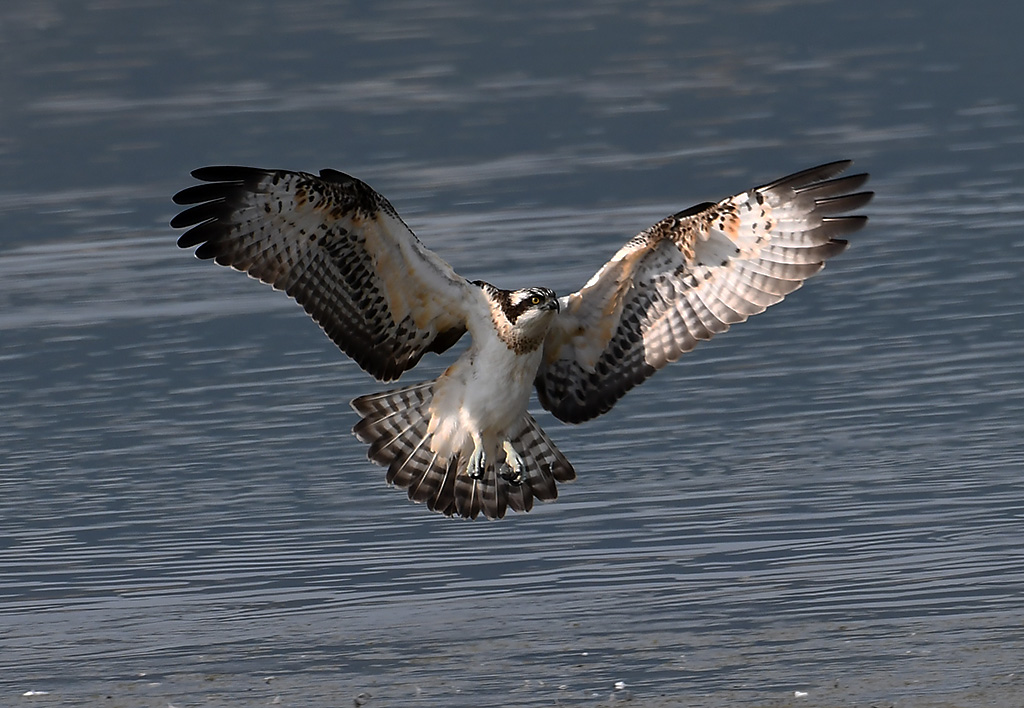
480, 397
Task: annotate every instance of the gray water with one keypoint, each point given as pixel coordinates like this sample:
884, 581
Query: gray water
828, 500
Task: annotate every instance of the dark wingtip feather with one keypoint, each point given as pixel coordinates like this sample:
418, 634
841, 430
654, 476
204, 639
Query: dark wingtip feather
226, 173
207, 231
843, 203
198, 193
808, 177
200, 213
843, 225
835, 187
837, 246
335, 176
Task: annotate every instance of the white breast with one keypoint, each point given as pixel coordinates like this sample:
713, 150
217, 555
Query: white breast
481, 395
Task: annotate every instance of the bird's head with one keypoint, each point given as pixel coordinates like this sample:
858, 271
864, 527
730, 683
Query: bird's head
522, 316
530, 303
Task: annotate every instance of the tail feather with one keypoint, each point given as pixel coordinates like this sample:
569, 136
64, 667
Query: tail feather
387, 424
520, 498
426, 486
395, 425
404, 470
469, 498
545, 465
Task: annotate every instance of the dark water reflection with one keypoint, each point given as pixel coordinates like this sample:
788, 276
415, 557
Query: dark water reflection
827, 500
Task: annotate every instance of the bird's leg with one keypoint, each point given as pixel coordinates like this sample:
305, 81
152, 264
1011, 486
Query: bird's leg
515, 463
477, 461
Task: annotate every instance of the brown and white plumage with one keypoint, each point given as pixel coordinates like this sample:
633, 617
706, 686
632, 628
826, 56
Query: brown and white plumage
689, 277
464, 443
340, 250
396, 424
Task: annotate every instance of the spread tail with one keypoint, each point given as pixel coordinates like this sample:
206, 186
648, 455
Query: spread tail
395, 424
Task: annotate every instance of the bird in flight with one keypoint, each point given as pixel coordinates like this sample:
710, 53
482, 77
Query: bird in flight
464, 443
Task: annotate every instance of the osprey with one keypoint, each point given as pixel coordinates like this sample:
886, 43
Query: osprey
464, 443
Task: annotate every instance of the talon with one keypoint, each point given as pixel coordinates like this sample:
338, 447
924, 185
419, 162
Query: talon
513, 478
515, 463
477, 463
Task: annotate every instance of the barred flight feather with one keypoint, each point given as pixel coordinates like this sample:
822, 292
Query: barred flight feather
689, 277
395, 424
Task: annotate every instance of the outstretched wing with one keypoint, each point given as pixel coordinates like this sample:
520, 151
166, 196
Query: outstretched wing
688, 278
340, 250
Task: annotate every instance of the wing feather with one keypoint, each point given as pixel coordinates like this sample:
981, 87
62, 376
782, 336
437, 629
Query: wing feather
689, 277
340, 250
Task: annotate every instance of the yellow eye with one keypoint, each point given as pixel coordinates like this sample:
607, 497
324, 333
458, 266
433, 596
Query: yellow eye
535, 300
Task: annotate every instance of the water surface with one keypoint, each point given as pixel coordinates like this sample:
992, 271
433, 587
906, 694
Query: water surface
827, 500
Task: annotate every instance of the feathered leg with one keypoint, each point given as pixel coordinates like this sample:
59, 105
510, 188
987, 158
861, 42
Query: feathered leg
469, 482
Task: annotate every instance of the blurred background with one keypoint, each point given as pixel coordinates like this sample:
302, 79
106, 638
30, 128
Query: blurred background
823, 507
